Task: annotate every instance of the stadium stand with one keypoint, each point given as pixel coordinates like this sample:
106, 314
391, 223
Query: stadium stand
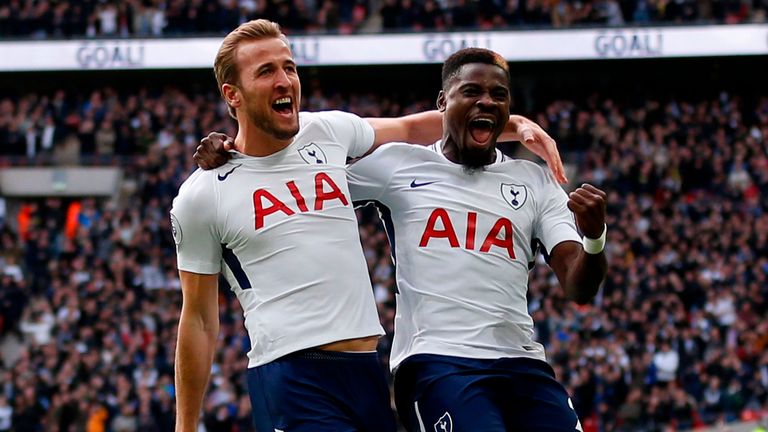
677, 337
91, 18
89, 294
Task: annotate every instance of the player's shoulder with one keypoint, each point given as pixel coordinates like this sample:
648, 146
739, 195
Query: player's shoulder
199, 189
406, 150
326, 118
398, 152
325, 125
199, 179
394, 148
531, 171
521, 164
194, 208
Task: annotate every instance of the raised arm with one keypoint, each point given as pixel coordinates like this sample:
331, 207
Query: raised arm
581, 269
195, 347
579, 273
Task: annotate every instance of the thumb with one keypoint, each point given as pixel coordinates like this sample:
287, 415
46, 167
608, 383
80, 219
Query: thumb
229, 144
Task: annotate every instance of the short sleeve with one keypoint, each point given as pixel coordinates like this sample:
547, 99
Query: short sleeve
350, 130
198, 246
370, 176
555, 223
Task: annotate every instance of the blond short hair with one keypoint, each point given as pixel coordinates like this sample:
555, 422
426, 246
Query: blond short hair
225, 65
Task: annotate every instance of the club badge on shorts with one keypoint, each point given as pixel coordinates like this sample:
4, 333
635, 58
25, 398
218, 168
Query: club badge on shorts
445, 424
514, 195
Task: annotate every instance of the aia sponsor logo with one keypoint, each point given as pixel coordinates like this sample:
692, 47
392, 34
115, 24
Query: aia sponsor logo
265, 203
440, 230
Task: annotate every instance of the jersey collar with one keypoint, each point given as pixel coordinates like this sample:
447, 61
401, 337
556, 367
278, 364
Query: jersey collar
437, 147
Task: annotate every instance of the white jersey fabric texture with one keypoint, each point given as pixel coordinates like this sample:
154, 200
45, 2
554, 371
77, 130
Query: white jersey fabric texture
283, 231
463, 244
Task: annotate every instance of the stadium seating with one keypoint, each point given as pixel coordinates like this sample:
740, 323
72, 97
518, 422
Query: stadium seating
91, 18
677, 336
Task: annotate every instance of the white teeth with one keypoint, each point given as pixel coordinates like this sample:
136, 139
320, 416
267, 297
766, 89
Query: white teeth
489, 121
283, 100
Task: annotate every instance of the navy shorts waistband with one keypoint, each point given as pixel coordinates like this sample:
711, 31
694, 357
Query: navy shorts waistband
318, 354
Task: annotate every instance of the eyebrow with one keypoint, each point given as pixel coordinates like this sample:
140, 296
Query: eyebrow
471, 85
271, 64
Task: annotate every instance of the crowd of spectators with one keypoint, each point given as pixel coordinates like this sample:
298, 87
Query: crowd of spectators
110, 18
677, 337
499, 14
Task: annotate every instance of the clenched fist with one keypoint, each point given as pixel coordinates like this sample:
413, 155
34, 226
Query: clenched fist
588, 205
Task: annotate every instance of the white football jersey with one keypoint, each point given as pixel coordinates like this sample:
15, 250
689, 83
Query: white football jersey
463, 244
282, 230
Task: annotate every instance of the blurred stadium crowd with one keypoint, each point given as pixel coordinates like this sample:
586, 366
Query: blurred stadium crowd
677, 337
66, 18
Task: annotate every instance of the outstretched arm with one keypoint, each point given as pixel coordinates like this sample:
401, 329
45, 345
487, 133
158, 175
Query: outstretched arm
581, 270
421, 128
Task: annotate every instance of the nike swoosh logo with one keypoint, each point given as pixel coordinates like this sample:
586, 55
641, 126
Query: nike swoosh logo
224, 177
415, 185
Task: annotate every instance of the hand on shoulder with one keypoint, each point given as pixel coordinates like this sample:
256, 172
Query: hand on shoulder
213, 151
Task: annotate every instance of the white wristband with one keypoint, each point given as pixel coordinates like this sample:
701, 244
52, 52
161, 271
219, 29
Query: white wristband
594, 246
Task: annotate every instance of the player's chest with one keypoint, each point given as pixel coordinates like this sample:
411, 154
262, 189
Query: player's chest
258, 201
487, 194
478, 212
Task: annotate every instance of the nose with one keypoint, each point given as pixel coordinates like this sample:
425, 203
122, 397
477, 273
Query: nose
485, 101
282, 80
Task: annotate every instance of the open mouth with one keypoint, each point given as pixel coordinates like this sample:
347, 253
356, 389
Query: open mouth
481, 129
284, 105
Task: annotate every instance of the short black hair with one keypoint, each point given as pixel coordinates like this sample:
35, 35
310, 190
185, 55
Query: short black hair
453, 64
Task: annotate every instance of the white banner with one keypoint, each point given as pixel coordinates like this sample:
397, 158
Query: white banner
413, 48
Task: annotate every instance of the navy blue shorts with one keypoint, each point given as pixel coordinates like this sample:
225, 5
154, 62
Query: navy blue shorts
437, 393
314, 390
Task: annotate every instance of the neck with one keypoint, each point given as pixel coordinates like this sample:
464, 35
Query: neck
253, 141
452, 153
450, 150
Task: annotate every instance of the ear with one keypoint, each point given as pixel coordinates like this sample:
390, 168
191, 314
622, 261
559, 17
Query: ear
231, 95
441, 101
